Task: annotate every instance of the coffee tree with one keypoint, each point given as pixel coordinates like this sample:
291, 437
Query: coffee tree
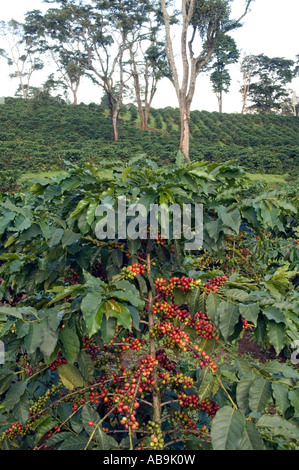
129, 342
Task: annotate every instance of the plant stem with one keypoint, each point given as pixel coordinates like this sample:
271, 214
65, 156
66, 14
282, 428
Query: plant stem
152, 346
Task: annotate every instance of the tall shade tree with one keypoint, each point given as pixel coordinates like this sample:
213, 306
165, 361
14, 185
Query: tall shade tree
100, 31
268, 92
200, 22
148, 65
58, 37
247, 66
226, 53
21, 53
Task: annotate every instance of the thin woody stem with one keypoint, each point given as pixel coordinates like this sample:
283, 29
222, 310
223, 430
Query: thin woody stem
152, 346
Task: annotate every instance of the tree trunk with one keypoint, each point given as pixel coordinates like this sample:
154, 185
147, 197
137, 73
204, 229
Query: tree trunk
115, 125
185, 129
220, 102
114, 109
75, 99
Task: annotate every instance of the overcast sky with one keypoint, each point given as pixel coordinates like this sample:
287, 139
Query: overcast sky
271, 28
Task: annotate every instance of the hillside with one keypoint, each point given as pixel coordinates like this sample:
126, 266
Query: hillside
37, 135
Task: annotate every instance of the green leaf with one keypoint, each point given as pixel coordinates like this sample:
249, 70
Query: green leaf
34, 337
251, 439
275, 367
274, 313
294, 399
70, 237
259, 394
276, 336
5, 382
70, 343
92, 309
227, 429
242, 391
5, 221
128, 292
135, 317
120, 312
230, 218
279, 426
180, 159
63, 436
56, 236
229, 317
108, 329
11, 312
81, 205
93, 283
73, 442
280, 394
126, 172
196, 301
237, 294
90, 213
14, 394
70, 376
250, 312
21, 410
212, 303
86, 366
49, 339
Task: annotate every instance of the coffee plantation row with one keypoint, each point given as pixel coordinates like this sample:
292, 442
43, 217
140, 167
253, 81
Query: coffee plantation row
40, 133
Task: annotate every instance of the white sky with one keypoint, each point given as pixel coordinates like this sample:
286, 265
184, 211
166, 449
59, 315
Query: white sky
271, 28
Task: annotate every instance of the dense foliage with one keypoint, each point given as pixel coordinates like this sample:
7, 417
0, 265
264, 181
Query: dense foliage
130, 344
40, 133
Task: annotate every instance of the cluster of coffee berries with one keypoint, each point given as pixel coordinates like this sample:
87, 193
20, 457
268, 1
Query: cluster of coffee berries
212, 285
170, 311
15, 430
156, 437
130, 272
132, 343
144, 371
159, 240
205, 360
209, 406
130, 385
28, 368
91, 348
200, 321
53, 431
164, 361
181, 417
58, 362
188, 401
172, 335
98, 270
203, 326
206, 261
184, 283
245, 324
176, 380
129, 419
70, 277
77, 402
111, 245
40, 404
